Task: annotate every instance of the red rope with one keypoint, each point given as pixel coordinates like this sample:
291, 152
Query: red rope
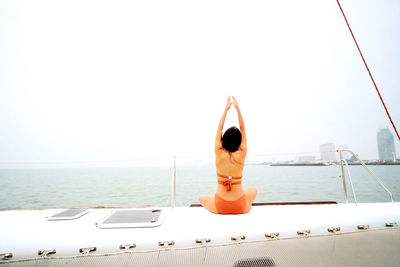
369, 72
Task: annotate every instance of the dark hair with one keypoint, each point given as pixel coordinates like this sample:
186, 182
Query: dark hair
231, 139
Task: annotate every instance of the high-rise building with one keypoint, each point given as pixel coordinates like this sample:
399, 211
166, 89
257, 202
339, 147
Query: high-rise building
328, 151
385, 145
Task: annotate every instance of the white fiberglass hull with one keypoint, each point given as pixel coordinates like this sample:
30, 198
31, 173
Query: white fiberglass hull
222, 240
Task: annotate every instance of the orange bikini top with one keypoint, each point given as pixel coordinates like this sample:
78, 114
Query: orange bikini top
228, 183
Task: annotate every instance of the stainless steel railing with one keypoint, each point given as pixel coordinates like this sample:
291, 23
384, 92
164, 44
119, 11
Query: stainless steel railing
173, 191
340, 151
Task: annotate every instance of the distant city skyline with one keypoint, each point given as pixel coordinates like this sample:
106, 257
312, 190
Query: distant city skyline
386, 148
327, 152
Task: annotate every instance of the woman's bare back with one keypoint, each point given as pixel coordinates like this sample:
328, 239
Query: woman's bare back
229, 162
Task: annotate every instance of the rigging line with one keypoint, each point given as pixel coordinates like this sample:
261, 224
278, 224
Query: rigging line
369, 72
87, 162
286, 154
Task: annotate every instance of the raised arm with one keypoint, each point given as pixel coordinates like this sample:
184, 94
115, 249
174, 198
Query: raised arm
243, 145
218, 144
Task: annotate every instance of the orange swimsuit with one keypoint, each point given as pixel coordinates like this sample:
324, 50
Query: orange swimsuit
223, 206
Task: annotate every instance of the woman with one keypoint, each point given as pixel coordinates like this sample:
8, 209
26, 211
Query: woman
230, 155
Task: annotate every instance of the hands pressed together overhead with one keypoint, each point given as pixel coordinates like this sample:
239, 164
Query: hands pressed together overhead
232, 100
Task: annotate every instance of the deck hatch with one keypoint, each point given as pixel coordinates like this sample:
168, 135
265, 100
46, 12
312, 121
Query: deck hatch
68, 214
132, 218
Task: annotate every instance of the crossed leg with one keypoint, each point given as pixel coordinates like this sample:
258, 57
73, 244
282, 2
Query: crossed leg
250, 193
208, 202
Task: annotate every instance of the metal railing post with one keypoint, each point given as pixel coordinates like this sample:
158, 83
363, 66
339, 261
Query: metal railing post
173, 191
351, 181
343, 176
368, 169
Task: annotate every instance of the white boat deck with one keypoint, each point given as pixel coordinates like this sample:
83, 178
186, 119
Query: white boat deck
24, 232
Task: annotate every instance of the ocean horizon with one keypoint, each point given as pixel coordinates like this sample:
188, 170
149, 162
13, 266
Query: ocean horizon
24, 188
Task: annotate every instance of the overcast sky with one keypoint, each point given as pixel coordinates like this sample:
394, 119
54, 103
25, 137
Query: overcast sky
119, 80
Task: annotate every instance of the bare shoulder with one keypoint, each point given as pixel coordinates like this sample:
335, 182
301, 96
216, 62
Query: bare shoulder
219, 151
239, 157
241, 153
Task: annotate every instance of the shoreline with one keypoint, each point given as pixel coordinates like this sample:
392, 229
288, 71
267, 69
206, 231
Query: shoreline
326, 164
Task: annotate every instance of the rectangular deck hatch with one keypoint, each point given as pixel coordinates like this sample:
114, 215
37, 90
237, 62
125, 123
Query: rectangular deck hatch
132, 218
69, 214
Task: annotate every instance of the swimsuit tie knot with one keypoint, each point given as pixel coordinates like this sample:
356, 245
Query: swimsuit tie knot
228, 183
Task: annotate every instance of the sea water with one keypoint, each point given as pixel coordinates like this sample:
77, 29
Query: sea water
152, 185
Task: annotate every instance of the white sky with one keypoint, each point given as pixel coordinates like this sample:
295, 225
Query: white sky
119, 80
